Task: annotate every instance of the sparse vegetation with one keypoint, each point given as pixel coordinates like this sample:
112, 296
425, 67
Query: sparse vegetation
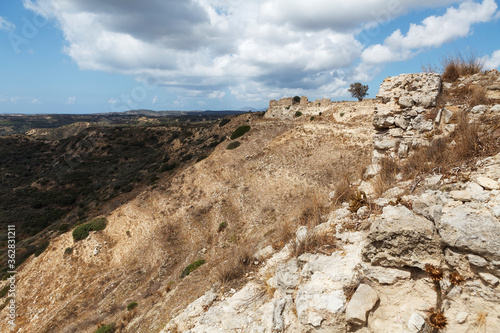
222, 226
236, 266
68, 251
106, 328
296, 99
358, 90
298, 114
460, 64
233, 145
240, 131
191, 267
82, 231
131, 306
224, 121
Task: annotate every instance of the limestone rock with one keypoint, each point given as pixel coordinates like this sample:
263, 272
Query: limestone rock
400, 238
477, 193
495, 108
384, 275
461, 317
471, 230
278, 323
447, 114
487, 183
363, 300
477, 261
461, 196
384, 144
416, 322
479, 109
287, 276
421, 124
406, 101
490, 279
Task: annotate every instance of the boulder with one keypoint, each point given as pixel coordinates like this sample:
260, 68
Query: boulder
384, 275
287, 276
421, 124
471, 230
362, 302
487, 183
400, 238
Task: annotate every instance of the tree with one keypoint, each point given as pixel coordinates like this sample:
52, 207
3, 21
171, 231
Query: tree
358, 90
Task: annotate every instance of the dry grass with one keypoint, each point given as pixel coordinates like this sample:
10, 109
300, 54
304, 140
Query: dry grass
314, 242
460, 64
343, 190
312, 210
386, 178
283, 233
237, 264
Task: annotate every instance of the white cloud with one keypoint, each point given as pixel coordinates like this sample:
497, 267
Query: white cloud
71, 100
433, 31
493, 61
29, 100
155, 99
253, 49
6, 25
217, 94
112, 101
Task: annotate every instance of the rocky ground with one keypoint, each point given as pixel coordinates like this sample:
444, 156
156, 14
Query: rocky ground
422, 255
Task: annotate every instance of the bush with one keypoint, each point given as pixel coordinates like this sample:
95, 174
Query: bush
298, 114
224, 122
461, 63
39, 250
68, 251
296, 99
4, 290
240, 131
191, 267
82, 231
358, 90
222, 226
132, 306
233, 145
106, 328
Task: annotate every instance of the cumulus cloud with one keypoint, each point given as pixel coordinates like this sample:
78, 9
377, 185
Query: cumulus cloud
6, 25
493, 61
253, 49
433, 31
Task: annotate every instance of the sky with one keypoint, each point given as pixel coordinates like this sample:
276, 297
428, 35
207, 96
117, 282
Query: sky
93, 56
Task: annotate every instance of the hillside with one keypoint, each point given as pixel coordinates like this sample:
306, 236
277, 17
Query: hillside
316, 222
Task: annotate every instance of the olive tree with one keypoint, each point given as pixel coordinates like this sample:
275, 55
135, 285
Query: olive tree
358, 90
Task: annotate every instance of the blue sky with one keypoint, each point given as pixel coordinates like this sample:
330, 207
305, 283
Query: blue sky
88, 56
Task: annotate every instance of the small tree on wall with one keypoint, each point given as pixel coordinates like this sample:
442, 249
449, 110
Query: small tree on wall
358, 90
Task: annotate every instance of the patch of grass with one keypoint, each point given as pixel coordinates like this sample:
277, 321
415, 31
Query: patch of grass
460, 64
298, 114
316, 243
191, 267
343, 190
110, 328
68, 251
386, 178
41, 248
342, 114
233, 145
222, 226
132, 306
82, 231
236, 266
240, 131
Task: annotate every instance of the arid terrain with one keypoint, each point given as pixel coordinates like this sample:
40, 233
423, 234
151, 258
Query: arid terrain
289, 229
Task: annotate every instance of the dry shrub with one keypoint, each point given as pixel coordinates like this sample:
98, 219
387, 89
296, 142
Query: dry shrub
324, 243
389, 168
284, 232
343, 190
171, 233
477, 96
461, 63
237, 265
466, 137
427, 158
312, 210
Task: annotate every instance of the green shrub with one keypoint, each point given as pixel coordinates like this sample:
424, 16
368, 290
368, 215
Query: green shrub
287, 107
296, 99
224, 122
64, 227
168, 167
106, 328
4, 290
312, 118
222, 226
39, 250
341, 114
201, 158
82, 231
233, 145
68, 251
191, 267
240, 131
298, 114
131, 306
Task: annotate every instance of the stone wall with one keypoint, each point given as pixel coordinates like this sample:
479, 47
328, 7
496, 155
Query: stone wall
407, 115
